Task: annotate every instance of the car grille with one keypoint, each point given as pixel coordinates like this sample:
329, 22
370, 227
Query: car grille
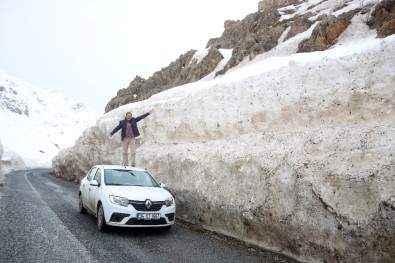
140, 205
134, 221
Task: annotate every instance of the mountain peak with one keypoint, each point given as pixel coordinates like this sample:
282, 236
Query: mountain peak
37, 122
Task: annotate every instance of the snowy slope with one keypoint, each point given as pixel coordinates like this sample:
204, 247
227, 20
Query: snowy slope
36, 123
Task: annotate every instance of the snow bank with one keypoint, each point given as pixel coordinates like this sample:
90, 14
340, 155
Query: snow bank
292, 152
1, 167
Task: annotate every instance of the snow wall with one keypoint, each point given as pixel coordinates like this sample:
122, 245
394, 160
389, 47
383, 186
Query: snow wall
297, 159
1, 168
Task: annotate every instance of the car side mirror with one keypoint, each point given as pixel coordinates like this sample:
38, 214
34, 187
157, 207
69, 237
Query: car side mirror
162, 185
94, 183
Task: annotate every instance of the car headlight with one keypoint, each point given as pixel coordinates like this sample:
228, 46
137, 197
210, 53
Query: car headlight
119, 200
169, 201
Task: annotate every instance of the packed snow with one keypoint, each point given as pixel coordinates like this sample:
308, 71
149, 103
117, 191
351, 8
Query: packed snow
295, 143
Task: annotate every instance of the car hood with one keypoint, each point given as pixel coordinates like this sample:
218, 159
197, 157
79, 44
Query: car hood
140, 193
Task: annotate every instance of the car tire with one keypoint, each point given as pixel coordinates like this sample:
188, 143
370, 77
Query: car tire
101, 221
81, 205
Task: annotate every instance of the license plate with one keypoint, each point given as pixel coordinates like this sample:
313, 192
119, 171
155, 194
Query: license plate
148, 216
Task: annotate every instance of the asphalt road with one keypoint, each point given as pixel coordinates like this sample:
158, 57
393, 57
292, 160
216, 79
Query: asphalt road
40, 222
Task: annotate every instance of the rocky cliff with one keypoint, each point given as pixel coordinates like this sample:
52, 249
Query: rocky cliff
289, 150
258, 33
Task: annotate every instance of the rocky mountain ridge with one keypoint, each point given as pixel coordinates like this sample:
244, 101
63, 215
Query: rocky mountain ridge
12, 102
258, 33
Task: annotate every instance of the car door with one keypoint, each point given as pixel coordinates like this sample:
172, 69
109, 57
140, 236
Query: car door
94, 190
86, 186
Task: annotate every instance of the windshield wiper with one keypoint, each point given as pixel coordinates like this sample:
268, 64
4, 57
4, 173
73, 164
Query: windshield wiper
131, 172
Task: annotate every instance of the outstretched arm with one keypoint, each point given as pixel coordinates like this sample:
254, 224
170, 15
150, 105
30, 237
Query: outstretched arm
115, 129
139, 118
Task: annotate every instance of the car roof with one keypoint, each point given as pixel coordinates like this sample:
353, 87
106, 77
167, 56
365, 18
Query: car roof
119, 167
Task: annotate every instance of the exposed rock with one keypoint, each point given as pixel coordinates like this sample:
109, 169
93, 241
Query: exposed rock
11, 102
383, 18
197, 70
326, 32
299, 25
232, 34
387, 29
257, 33
184, 70
141, 89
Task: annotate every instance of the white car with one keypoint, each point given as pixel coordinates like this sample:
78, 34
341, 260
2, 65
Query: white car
127, 197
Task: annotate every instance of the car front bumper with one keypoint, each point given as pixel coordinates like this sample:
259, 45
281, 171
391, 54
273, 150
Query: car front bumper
121, 216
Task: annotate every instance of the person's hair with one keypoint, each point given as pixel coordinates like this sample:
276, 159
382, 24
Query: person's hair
128, 113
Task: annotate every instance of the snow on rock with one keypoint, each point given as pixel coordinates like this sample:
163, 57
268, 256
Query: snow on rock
36, 123
291, 153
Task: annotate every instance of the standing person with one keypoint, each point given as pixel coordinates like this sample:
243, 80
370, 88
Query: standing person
129, 132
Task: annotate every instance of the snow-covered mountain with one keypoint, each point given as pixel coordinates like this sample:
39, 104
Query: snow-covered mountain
36, 123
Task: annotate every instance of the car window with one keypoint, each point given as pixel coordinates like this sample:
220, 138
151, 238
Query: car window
98, 176
91, 173
128, 177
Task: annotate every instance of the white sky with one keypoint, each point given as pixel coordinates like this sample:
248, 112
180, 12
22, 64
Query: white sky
89, 49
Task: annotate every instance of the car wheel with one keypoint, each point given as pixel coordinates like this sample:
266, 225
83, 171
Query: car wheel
81, 206
101, 222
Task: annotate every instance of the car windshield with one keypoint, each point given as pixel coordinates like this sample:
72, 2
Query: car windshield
128, 177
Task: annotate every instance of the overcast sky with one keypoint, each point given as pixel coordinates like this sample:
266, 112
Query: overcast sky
89, 49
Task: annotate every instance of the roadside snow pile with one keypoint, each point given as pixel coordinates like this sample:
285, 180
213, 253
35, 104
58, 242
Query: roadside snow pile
291, 152
1, 168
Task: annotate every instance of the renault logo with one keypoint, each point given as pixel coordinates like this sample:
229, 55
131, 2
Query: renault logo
148, 204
